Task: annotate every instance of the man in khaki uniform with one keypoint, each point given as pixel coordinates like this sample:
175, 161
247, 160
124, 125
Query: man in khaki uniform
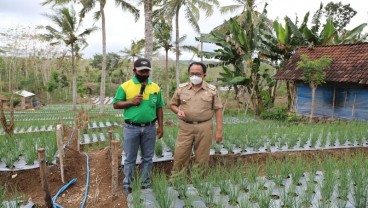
195, 102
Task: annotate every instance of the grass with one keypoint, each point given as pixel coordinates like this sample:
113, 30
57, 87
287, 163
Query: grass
159, 148
329, 178
164, 197
137, 201
297, 171
359, 176
180, 185
209, 198
10, 197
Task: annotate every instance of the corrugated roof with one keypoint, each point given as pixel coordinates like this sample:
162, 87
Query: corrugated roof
349, 63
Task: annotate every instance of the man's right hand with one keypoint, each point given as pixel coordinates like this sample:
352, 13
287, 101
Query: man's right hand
181, 114
137, 100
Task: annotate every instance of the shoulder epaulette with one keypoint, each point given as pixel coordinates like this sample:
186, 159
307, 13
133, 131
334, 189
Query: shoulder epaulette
184, 84
212, 87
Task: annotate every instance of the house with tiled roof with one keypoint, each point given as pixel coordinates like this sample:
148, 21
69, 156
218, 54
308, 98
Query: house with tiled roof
345, 93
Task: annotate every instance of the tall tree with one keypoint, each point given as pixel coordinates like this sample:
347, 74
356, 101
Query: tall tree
67, 32
162, 34
341, 14
89, 5
313, 73
148, 29
134, 51
192, 10
238, 48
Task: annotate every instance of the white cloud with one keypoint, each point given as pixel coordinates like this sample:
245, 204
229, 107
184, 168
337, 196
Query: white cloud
122, 29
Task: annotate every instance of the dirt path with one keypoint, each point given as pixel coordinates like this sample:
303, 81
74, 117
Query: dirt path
99, 195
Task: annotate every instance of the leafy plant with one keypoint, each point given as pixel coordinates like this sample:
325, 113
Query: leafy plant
136, 191
298, 171
180, 185
159, 148
164, 197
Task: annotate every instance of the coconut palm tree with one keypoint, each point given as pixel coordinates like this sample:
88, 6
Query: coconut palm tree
192, 10
162, 34
134, 51
67, 31
148, 29
89, 5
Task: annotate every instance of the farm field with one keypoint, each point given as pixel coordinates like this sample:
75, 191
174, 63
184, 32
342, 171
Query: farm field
259, 164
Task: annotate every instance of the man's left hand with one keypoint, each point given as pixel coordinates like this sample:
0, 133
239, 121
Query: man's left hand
160, 132
218, 137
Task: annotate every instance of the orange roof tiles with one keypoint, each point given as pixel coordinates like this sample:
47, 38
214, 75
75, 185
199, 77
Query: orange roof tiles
349, 63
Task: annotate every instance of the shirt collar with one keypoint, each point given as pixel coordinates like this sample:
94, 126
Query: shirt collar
135, 80
203, 86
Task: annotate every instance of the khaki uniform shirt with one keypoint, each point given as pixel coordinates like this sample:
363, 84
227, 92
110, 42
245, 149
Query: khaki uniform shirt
197, 105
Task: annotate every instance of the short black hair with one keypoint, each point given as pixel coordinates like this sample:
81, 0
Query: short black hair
204, 67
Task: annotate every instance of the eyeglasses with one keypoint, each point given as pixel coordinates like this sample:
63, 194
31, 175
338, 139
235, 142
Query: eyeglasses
195, 74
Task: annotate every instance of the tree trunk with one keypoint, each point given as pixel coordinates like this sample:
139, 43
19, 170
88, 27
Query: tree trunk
167, 74
148, 29
273, 92
288, 94
312, 106
177, 54
74, 75
103, 71
201, 48
260, 106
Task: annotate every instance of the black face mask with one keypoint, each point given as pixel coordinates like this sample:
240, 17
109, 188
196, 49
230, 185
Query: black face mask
141, 78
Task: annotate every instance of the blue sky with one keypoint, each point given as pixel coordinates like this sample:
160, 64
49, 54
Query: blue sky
121, 28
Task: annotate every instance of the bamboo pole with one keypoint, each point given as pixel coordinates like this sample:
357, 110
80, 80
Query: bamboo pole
114, 167
353, 109
59, 140
77, 145
43, 175
110, 140
333, 102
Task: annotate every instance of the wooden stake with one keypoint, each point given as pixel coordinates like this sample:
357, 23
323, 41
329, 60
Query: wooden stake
110, 140
43, 175
333, 102
59, 140
77, 145
114, 168
353, 108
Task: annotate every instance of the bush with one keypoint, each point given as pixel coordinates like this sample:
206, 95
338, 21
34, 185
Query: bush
278, 114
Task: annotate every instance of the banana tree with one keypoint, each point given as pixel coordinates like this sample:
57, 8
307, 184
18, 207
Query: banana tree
236, 49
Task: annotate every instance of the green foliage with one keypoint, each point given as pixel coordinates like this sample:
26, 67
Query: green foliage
135, 50
341, 14
313, 71
57, 81
278, 114
164, 197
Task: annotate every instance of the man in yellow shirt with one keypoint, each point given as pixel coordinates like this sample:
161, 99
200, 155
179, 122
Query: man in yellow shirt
142, 102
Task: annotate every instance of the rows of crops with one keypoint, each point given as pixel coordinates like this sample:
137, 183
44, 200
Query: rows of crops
285, 183
325, 182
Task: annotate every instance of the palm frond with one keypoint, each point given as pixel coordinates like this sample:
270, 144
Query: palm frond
125, 6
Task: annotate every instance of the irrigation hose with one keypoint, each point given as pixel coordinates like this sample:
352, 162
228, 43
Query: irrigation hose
56, 205
87, 181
